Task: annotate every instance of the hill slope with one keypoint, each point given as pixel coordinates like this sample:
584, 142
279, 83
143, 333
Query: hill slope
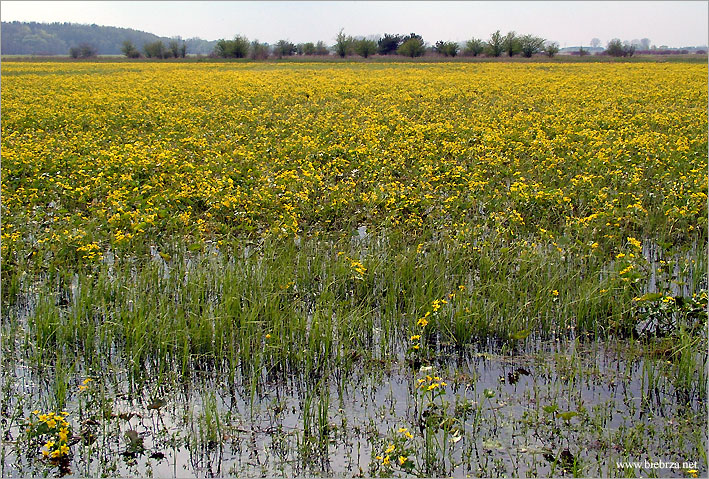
32, 38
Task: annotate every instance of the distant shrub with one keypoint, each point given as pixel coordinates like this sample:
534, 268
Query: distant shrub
495, 46
529, 45
321, 48
259, 51
344, 45
83, 50
629, 49
412, 46
177, 49
551, 49
365, 48
236, 48
474, 47
388, 44
155, 50
306, 48
129, 50
511, 44
447, 49
615, 48
284, 48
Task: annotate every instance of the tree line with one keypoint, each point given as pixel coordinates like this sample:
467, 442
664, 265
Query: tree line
33, 38
85, 41
411, 45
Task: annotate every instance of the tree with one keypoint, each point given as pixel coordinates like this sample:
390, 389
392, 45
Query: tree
412, 45
511, 43
284, 48
365, 48
155, 49
411, 48
129, 49
83, 50
388, 44
343, 44
447, 49
236, 48
239, 47
551, 49
306, 48
615, 48
628, 49
595, 43
529, 45
176, 49
321, 48
495, 44
258, 51
474, 47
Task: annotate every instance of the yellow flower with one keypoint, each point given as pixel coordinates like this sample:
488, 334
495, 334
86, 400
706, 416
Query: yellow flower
626, 270
634, 242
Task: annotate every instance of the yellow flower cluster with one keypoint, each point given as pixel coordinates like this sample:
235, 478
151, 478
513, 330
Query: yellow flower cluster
429, 383
56, 428
601, 152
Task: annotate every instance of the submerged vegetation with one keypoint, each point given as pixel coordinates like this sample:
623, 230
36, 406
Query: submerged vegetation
380, 269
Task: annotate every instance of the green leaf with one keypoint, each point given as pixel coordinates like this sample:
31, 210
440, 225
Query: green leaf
550, 409
566, 416
649, 297
519, 335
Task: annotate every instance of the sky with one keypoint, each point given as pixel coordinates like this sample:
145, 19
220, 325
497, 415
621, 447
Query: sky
570, 23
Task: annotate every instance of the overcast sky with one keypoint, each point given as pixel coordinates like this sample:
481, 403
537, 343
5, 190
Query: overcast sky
570, 23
